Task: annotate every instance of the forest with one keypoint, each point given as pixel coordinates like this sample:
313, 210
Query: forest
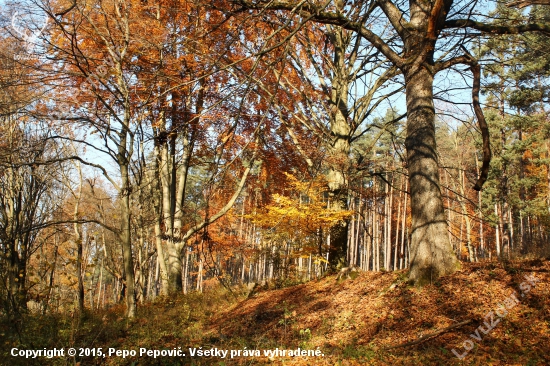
173, 156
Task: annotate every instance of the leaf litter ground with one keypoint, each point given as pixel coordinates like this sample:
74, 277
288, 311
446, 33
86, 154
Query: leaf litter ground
372, 319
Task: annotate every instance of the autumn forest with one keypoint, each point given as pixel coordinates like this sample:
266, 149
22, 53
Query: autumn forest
168, 149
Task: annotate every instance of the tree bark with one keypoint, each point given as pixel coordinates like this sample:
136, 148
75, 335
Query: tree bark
79, 245
431, 252
126, 241
402, 262
340, 131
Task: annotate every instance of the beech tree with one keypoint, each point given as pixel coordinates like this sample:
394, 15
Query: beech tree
198, 120
26, 197
195, 107
333, 110
412, 46
316, 90
95, 45
28, 193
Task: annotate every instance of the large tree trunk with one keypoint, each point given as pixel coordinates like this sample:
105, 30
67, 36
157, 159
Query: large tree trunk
175, 284
168, 181
339, 148
337, 182
154, 183
339, 232
431, 252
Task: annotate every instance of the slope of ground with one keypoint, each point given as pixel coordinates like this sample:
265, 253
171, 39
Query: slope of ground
372, 318
485, 314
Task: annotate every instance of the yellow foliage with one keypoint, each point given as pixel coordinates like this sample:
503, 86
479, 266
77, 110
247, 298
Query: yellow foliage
300, 215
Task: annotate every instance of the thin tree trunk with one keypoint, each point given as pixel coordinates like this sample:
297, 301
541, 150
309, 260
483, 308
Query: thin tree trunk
387, 251
199, 277
396, 245
497, 231
79, 246
357, 241
402, 262
186, 271
466, 217
125, 238
52, 273
511, 226
480, 212
374, 231
389, 227
449, 221
100, 284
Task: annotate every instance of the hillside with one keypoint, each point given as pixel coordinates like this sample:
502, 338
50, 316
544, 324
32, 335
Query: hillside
358, 319
374, 318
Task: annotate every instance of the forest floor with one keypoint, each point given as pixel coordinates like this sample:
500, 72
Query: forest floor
490, 313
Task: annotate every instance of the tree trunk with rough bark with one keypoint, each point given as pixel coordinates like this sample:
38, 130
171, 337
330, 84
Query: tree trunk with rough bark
339, 148
125, 233
431, 252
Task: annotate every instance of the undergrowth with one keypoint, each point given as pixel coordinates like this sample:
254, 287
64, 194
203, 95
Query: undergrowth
164, 323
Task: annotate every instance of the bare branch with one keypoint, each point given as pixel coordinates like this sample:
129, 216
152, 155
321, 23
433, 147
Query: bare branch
395, 16
520, 4
470, 60
497, 29
476, 71
209, 220
318, 14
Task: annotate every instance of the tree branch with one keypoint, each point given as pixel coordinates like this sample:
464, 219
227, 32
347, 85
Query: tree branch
395, 16
320, 16
497, 29
476, 71
520, 4
209, 220
78, 158
470, 60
